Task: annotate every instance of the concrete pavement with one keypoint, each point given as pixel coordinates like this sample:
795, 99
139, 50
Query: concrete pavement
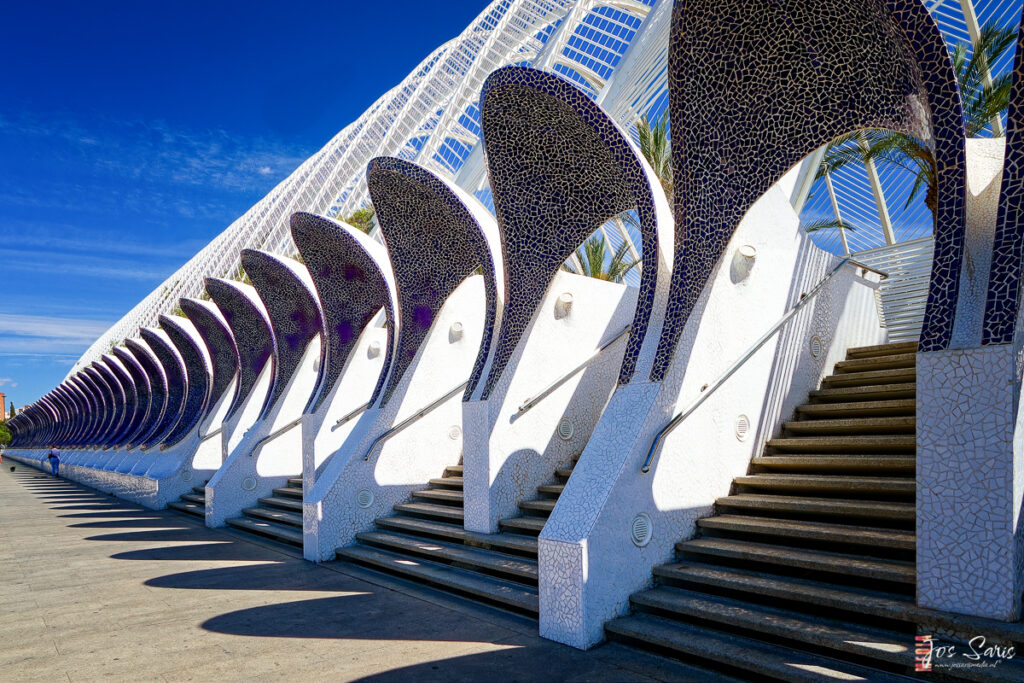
92, 588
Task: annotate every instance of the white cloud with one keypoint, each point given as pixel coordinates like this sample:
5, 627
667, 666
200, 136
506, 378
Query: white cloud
54, 329
7, 380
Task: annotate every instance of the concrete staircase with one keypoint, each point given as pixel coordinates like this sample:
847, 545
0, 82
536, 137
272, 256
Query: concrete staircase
278, 517
425, 541
193, 503
807, 570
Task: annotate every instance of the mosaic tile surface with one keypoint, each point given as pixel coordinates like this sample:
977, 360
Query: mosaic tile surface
157, 386
174, 374
130, 398
103, 401
79, 409
434, 243
187, 341
559, 168
348, 268
756, 85
250, 327
287, 292
1004, 294
142, 392
220, 345
116, 407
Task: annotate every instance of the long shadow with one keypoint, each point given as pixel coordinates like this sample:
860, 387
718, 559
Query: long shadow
89, 506
226, 551
270, 576
123, 513
178, 533
136, 522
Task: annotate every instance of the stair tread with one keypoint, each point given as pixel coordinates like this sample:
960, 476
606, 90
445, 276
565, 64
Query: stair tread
289, 492
453, 552
273, 515
895, 510
194, 498
890, 538
532, 524
492, 588
199, 490
896, 360
555, 489
866, 424
190, 508
278, 531
447, 495
894, 405
881, 349
564, 472
848, 442
431, 509
541, 506
866, 392
850, 483
894, 375
820, 633
836, 461
728, 649
451, 482
840, 563
413, 525
281, 502
454, 470
295, 481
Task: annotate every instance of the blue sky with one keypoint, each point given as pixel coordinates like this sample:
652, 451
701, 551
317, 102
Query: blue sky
131, 133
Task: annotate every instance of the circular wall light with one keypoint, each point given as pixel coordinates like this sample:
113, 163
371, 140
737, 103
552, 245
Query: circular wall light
641, 530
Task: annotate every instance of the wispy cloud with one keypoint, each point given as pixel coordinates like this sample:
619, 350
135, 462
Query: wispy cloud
50, 327
40, 261
4, 381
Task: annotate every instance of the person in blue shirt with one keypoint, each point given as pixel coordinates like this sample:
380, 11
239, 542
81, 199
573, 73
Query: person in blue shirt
54, 457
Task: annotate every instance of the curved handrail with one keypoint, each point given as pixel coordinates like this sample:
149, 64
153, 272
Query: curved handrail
534, 400
348, 416
412, 418
274, 435
709, 389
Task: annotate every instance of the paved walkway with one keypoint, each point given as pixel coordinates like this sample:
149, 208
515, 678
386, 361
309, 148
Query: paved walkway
91, 588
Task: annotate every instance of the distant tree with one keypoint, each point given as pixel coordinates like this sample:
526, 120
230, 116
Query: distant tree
177, 310
5, 434
362, 219
12, 409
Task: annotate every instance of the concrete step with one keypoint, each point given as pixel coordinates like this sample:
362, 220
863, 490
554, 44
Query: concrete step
881, 350
870, 378
194, 498
508, 593
445, 496
454, 532
563, 472
891, 464
509, 566
278, 532
899, 360
453, 471
827, 636
199, 491
819, 561
295, 481
894, 539
819, 483
855, 426
432, 511
523, 525
289, 492
874, 392
272, 515
893, 512
281, 502
537, 508
551, 489
770, 661
447, 483
889, 443
839, 410
190, 508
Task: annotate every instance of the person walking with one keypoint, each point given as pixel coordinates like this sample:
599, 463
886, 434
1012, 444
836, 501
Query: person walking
54, 457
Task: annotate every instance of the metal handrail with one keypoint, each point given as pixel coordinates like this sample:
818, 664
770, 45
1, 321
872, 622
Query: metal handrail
534, 400
211, 434
342, 420
274, 435
412, 418
709, 389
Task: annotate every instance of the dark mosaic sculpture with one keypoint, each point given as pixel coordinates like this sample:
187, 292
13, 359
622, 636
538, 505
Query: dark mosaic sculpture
130, 398
348, 270
118, 402
434, 244
189, 344
157, 386
293, 310
174, 374
104, 409
1004, 291
757, 85
77, 408
559, 168
220, 346
143, 400
92, 408
250, 328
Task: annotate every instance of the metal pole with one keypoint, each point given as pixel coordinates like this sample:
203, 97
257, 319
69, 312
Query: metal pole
835, 210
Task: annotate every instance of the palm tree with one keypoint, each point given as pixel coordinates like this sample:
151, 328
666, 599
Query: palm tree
656, 147
591, 255
983, 102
